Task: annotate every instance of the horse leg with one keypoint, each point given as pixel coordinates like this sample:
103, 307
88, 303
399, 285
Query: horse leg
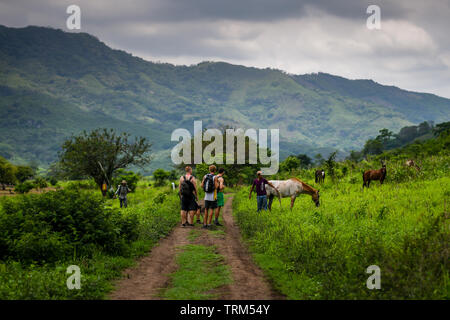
292, 202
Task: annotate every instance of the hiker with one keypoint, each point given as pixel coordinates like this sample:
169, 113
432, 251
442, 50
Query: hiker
122, 190
188, 195
220, 199
210, 184
261, 195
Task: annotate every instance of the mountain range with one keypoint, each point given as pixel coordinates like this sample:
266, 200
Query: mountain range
54, 84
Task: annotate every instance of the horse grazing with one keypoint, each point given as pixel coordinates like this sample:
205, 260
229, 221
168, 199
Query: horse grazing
320, 176
292, 188
379, 174
412, 164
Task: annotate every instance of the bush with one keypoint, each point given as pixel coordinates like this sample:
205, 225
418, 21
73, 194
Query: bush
40, 183
25, 187
56, 224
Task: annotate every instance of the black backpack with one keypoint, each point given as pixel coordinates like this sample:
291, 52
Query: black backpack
186, 187
208, 184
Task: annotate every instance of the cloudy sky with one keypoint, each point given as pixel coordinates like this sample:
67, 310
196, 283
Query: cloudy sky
411, 50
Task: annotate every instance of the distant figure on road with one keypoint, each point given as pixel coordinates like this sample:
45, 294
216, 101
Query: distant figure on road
122, 191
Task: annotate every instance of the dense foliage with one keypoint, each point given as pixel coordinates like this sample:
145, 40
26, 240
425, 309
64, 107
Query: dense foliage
41, 235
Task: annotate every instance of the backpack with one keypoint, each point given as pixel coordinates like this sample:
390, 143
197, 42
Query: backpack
208, 184
186, 187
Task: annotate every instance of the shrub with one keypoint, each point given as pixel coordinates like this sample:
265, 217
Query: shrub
24, 187
50, 226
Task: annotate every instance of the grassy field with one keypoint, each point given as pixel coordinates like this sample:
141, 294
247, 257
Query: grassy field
41, 235
322, 253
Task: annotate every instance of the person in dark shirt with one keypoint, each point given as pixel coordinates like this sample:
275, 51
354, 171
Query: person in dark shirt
261, 195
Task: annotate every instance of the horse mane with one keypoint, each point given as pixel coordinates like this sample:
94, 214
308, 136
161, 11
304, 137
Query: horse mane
306, 187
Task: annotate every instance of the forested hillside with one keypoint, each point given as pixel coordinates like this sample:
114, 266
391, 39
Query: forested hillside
53, 84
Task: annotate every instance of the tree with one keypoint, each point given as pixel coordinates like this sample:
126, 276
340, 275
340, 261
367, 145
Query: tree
305, 161
424, 128
385, 136
101, 152
7, 173
24, 173
330, 164
290, 163
355, 156
160, 175
373, 146
441, 128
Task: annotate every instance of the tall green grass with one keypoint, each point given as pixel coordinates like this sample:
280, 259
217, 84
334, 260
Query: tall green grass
323, 253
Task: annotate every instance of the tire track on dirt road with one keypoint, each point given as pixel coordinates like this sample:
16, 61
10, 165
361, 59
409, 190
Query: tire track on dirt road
151, 275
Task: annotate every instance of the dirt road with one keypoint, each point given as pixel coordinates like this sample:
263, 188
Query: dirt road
150, 276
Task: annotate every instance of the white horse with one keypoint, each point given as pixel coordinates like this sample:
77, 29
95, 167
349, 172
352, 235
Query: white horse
292, 188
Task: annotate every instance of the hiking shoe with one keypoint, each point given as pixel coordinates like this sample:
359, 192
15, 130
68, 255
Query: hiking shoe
190, 224
183, 225
217, 223
205, 226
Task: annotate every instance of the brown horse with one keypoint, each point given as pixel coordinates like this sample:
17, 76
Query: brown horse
320, 176
379, 174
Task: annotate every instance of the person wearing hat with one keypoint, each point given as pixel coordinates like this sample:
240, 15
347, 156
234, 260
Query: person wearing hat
261, 195
122, 191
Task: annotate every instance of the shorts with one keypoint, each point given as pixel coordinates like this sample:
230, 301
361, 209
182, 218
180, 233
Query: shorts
210, 204
188, 204
220, 201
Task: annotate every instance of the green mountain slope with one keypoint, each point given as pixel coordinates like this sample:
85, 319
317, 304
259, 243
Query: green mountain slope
53, 84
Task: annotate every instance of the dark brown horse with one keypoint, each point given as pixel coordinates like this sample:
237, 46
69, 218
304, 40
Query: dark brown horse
320, 176
379, 174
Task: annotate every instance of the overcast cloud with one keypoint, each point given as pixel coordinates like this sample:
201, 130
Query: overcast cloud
411, 51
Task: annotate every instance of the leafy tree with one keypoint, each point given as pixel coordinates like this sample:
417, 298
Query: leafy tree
355, 156
441, 128
290, 163
330, 164
373, 146
40, 183
160, 175
24, 187
7, 173
424, 128
101, 152
385, 136
305, 161
24, 173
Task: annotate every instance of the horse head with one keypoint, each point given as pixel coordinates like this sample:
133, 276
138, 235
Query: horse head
316, 198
